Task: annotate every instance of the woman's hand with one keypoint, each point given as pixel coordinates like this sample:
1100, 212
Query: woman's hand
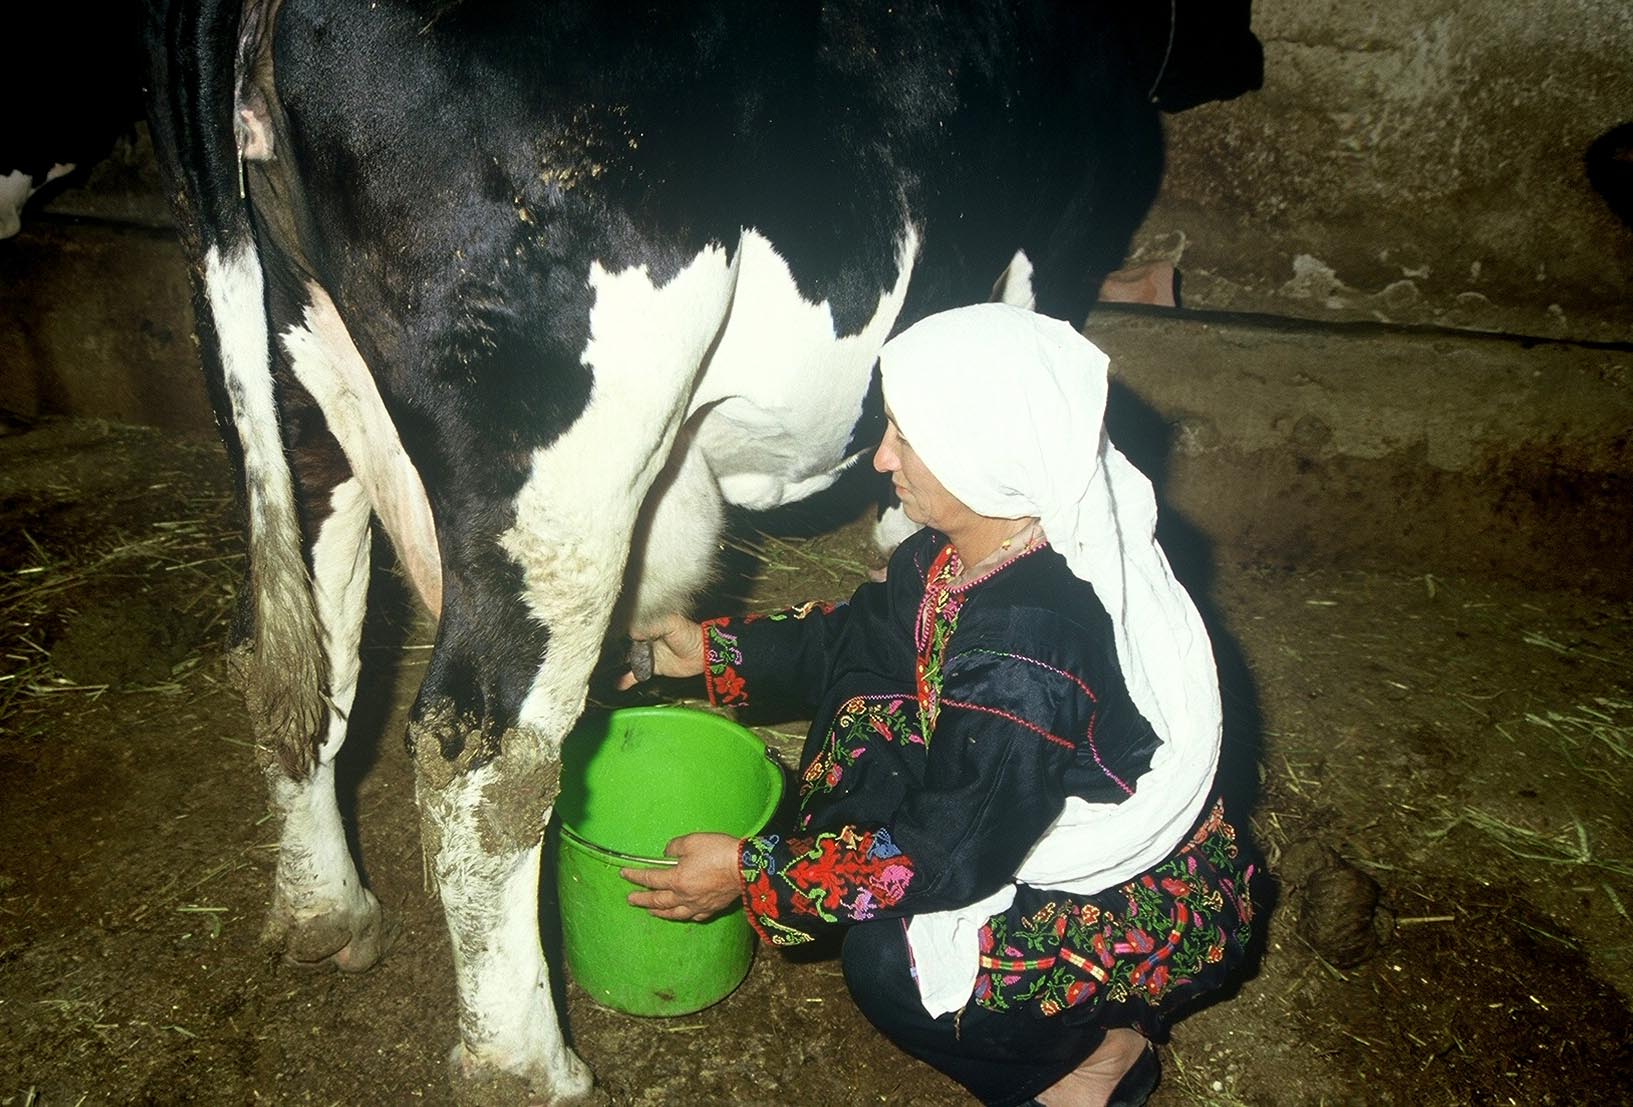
677, 649
704, 883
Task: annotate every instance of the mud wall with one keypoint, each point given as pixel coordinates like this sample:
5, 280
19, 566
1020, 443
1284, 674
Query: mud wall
96, 320
1414, 161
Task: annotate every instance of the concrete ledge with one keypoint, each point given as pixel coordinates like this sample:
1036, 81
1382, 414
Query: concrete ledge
1430, 452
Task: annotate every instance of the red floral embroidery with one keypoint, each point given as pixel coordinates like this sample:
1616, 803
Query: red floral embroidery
833, 868
1175, 887
937, 619
846, 876
1194, 901
761, 899
721, 656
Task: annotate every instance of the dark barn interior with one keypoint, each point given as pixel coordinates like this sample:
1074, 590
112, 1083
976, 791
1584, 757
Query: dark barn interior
1391, 426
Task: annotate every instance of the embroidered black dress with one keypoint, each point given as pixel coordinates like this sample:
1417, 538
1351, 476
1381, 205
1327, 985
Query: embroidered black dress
950, 725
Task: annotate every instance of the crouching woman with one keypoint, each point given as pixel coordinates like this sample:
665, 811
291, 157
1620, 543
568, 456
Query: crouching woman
1007, 796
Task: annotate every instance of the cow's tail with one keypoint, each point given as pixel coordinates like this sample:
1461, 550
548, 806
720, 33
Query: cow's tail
193, 47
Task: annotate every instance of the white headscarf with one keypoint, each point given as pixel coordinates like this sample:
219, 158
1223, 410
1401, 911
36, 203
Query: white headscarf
1006, 408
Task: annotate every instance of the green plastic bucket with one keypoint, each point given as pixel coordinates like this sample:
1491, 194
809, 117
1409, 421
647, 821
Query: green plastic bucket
631, 780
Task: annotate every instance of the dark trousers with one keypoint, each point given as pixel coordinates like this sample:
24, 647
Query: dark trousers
1003, 1058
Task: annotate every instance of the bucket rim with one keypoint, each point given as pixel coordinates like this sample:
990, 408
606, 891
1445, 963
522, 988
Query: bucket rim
640, 710
724, 725
639, 859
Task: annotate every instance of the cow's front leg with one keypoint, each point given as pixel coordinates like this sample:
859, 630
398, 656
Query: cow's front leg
486, 740
533, 560
486, 768
483, 828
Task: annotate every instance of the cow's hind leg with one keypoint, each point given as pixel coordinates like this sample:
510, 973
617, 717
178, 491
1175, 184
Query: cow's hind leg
529, 588
307, 576
321, 913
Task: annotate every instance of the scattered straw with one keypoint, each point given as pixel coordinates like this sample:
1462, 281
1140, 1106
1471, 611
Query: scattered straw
1616, 902
1567, 846
1332, 970
1590, 734
779, 555
1200, 1088
1537, 638
35, 595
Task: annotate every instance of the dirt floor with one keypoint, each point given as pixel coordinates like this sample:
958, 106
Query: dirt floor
1437, 771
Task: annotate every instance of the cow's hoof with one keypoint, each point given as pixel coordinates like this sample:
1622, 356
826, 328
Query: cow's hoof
480, 1083
350, 941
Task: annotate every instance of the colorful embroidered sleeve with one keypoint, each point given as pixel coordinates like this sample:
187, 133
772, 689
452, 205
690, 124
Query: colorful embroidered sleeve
995, 775
792, 655
785, 654
793, 889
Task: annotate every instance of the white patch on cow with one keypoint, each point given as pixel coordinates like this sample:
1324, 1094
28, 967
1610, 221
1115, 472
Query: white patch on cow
577, 510
326, 362
783, 391
236, 292
1015, 286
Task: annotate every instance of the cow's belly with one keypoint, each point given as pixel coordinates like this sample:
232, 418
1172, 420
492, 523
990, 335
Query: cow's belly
781, 393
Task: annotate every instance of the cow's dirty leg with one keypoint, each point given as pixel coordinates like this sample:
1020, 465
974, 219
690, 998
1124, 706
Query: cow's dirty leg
482, 830
321, 913
524, 613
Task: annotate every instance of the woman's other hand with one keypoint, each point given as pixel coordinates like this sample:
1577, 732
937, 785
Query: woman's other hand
704, 882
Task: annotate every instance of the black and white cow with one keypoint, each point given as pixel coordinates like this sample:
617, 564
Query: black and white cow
545, 286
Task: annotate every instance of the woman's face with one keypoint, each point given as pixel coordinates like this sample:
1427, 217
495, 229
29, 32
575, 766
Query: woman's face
923, 497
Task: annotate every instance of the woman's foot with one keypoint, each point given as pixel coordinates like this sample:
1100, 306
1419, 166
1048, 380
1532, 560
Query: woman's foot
1121, 1073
